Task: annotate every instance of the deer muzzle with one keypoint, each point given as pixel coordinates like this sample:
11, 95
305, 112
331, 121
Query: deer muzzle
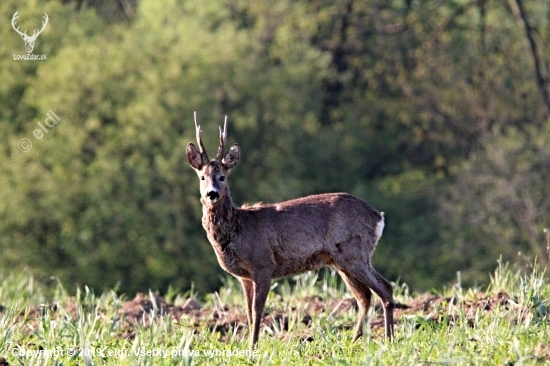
213, 195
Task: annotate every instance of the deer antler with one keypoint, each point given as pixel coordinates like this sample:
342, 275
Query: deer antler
199, 139
15, 16
223, 140
35, 34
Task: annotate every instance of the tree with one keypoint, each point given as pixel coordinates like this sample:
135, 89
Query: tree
500, 203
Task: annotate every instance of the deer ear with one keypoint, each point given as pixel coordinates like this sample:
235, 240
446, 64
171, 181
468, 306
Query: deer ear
194, 157
232, 157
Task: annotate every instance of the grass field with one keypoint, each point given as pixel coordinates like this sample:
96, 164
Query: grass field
308, 322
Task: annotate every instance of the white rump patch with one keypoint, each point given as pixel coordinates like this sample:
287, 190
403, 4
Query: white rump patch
379, 228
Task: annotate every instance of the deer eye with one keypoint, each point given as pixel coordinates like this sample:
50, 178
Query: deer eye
202, 177
222, 178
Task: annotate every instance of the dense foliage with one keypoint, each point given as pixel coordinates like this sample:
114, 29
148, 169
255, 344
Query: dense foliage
435, 112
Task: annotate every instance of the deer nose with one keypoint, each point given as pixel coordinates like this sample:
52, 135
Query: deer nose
213, 195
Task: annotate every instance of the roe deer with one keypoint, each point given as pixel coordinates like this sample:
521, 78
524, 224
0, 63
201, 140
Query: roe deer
266, 241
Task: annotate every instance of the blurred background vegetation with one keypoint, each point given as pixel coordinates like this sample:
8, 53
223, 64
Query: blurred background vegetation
436, 112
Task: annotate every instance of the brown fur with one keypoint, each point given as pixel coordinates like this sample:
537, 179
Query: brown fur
266, 241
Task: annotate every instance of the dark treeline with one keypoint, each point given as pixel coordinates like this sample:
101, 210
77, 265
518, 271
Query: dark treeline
435, 112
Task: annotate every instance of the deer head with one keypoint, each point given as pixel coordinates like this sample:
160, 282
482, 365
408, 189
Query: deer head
29, 40
212, 173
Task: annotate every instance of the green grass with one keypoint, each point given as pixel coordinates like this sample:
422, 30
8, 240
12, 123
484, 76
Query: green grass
41, 324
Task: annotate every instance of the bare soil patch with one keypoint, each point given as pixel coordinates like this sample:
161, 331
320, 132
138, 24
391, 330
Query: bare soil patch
227, 319
429, 309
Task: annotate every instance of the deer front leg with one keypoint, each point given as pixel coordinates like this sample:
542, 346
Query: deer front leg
262, 282
248, 289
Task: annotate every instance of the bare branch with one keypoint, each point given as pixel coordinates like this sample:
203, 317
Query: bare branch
542, 72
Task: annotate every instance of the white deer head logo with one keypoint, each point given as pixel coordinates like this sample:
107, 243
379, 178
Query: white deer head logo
29, 40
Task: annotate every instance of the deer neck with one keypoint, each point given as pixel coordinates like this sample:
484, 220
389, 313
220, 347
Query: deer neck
221, 222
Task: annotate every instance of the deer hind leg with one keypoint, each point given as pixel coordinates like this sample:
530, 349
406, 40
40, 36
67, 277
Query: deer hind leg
365, 274
363, 295
387, 300
353, 258
248, 290
376, 282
